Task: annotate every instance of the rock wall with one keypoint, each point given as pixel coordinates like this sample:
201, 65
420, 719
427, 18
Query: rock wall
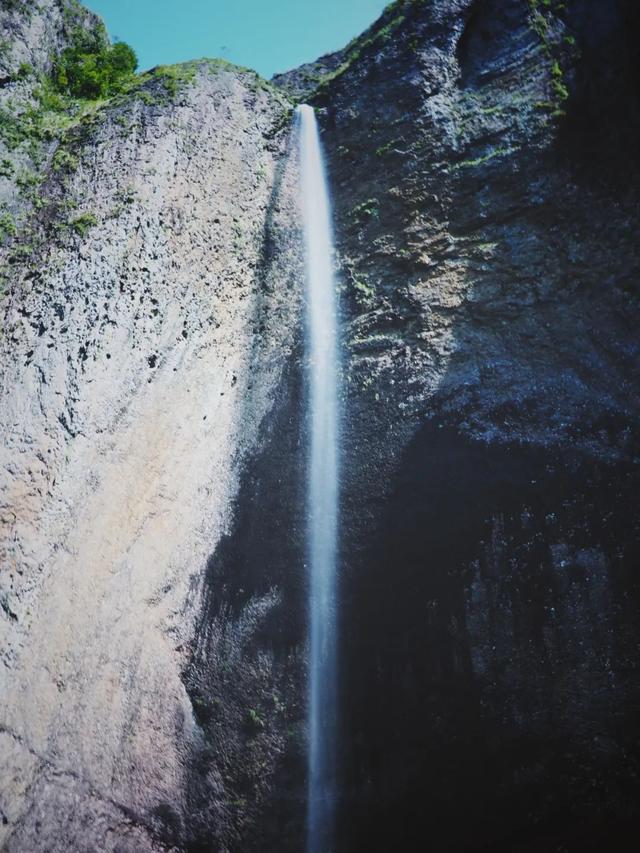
483, 157
34, 33
150, 313
484, 219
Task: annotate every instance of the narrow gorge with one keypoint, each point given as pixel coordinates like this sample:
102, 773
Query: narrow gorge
474, 407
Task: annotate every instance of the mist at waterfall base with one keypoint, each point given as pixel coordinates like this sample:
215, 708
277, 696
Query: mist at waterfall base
322, 493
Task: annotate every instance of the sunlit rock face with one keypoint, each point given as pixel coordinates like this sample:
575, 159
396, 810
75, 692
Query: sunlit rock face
147, 328
35, 33
32, 35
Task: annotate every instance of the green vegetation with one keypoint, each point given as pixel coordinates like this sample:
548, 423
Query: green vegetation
43, 122
542, 15
557, 82
7, 168
173, 78
165, 83
369, 209
82, 224
365, 289
49, 97
383, 149
21, 253
64, 161
364, 293
254, 720
92, 68
27, 181
160, 85
489, 111
12, 132
7, 226
478, 161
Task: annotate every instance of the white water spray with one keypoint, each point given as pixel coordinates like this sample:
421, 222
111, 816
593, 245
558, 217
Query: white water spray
322, 512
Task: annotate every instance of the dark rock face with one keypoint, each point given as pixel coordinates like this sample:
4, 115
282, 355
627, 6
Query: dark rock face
303, 81
483, 158
490, 664
467, 228
246, 679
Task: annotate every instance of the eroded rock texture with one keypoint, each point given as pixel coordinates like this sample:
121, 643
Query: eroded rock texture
486, 215
35, 33
148, 326
483, 161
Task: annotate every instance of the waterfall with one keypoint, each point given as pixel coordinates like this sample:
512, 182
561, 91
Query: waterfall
322, 495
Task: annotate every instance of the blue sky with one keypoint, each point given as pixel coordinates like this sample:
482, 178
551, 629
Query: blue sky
267, 35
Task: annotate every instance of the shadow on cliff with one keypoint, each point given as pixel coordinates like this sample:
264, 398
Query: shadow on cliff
245, 681
601, 132
488, 635
491, 693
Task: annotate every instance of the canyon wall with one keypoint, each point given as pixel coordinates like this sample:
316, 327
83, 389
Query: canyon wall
483, 158
484, 162
150, 314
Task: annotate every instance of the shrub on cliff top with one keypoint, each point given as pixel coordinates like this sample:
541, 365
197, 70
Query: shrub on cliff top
92, 68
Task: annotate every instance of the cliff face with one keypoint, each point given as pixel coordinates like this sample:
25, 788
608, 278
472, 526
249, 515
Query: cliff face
483, 159
31, 37
34, 34
483, 162
463, 196
150, 310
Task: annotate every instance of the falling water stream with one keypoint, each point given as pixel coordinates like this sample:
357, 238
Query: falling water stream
322, 512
